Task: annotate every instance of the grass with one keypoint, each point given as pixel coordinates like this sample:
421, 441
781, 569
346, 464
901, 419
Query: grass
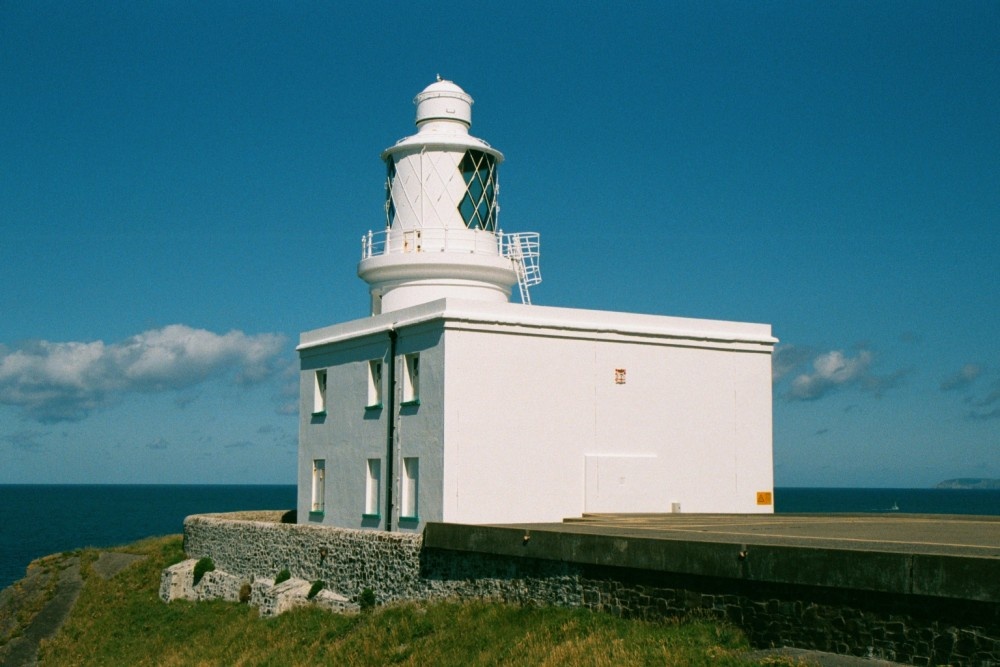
123, 622
202, 567
25, 598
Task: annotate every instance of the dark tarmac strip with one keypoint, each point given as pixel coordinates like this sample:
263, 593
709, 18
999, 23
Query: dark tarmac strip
22, 651
928, 534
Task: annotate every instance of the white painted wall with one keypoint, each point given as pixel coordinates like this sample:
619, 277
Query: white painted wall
426, 191
521, 418
420, 428
671, 433
346, 436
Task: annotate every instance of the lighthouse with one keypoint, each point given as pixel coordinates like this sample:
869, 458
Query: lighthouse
458, 400
441, 236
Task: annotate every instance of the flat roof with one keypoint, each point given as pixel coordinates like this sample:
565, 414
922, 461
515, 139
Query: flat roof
547, 319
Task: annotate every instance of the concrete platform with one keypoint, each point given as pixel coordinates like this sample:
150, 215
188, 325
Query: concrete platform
947, 556
955, 535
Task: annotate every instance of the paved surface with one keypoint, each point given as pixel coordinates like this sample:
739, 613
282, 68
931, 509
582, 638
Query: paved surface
798, 656
110, 563
22, 651
953, 535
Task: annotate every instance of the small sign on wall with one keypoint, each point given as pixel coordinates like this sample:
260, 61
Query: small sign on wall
764, 498
619, 376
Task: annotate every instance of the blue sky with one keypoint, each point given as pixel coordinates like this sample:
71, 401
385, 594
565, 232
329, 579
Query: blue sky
185, 184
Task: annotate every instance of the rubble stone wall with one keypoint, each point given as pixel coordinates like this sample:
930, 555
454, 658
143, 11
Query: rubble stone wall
347, 560
395, 566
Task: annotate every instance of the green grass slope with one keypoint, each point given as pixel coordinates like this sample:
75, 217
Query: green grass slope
121, 621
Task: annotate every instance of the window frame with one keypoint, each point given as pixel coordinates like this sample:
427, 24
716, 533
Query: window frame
409, 501
318, 503
478, 205
373, 488
375, 380
411, 379
321, 379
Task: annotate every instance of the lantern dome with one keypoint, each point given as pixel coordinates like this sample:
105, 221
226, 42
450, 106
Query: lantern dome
443, 100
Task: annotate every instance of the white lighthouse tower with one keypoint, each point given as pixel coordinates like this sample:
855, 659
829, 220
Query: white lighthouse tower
441, 237
451, 404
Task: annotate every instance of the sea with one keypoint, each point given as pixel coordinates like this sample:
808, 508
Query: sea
37, 520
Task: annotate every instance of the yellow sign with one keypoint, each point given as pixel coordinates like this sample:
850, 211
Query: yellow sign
764, 498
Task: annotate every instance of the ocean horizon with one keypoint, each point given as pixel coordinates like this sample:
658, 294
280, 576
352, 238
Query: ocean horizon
42, 519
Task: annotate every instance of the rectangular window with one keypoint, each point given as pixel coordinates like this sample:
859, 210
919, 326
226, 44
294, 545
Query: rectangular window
411, 487
319, 392
318, 485
411, 379
373, 487
374, 383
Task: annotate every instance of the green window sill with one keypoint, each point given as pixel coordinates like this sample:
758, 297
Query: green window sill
409, 518
321, 413
371, 516
374, 406
406, 404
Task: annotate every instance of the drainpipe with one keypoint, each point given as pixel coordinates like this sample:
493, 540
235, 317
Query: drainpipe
390, 435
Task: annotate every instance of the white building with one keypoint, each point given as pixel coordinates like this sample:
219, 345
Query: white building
451, 404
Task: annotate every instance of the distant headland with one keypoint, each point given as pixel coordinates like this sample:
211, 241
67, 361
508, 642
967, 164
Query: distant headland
969, 483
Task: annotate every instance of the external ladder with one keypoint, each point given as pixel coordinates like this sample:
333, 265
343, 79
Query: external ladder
523, 250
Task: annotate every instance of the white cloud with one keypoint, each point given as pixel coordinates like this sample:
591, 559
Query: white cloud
818, 374
289, 398
963, 378
987, 407
54, 382
25, 440
787, 358
830, 370
968, 383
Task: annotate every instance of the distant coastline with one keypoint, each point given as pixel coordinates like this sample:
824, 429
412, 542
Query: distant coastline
969, 483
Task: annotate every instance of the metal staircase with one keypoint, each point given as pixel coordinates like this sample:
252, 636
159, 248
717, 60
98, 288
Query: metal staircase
523, 250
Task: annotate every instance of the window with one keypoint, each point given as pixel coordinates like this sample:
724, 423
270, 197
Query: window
390, 176
374, 383
318, 485
478, 205
411, 379
319, 393
373, 487
411, 486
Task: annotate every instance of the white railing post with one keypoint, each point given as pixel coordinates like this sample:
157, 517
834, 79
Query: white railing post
518, 246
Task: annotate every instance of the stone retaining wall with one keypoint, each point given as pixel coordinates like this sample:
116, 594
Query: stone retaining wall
347, 560
903, 628
396, 566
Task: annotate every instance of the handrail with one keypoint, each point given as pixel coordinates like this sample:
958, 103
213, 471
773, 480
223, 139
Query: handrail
396, 241
524, 249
